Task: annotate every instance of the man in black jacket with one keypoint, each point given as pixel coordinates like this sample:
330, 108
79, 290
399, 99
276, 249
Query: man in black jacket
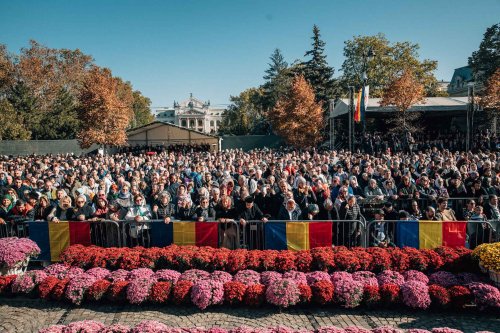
250, 212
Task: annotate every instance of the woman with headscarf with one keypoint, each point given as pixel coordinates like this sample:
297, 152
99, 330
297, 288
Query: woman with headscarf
124, 197
5, 208
101, 209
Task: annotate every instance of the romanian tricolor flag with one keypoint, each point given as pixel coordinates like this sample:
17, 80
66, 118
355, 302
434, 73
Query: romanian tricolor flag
430, 234
361, 104
357, 112
53, 238
184, 233
297, 235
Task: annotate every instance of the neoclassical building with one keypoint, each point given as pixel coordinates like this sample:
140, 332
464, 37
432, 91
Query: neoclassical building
193, 114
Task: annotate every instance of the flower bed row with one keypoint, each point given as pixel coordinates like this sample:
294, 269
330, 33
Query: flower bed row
373, 259
150, 326
412, 288
14, 252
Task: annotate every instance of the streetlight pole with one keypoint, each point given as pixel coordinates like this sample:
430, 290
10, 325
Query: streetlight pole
367, 56
470, 111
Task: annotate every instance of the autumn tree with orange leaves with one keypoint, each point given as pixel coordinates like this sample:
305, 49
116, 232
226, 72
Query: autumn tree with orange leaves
297, 117
490, 100
402, 93
105, 109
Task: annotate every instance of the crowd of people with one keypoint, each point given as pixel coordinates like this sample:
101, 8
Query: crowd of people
378, 142
193, 184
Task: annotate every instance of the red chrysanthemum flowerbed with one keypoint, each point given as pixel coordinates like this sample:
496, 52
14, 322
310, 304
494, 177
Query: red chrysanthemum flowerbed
321, 259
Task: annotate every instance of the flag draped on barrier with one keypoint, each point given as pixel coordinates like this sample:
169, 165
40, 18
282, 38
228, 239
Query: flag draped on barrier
297, 235
185, 233
430, 234
53, 238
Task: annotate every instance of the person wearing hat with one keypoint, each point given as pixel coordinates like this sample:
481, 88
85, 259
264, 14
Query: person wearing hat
5, 208
250, 212
390, 213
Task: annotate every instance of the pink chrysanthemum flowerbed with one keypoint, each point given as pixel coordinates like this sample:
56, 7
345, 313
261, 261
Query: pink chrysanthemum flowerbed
90, 326
15, 251
247, 287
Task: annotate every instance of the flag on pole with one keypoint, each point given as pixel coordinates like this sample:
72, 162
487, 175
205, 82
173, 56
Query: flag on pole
357, 112
364, 102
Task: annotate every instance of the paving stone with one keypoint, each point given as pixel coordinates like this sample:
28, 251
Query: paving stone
28, 315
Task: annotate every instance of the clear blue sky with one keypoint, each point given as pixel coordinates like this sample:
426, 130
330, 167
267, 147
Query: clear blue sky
215, 49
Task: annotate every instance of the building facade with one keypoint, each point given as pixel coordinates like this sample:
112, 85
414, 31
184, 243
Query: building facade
459, 82
193, 114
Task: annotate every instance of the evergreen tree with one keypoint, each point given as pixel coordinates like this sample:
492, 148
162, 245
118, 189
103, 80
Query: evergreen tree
61, 122
485, 61
276, 80
12, 123
317, 71
27, 108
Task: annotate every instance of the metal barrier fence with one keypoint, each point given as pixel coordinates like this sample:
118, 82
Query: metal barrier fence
348, 233
369, 206
384, 233
135, 233
252, 235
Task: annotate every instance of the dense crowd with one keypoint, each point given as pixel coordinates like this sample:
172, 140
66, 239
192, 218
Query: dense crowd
192, 184
378, 142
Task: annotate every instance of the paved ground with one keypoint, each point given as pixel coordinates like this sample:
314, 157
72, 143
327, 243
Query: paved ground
28, 315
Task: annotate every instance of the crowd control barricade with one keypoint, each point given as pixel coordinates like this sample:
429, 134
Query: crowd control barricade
106, 233
305, 235
429, 234
230, 235
253, 235
14, 228
157, 233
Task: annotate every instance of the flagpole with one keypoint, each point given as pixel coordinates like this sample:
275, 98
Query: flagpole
351, 117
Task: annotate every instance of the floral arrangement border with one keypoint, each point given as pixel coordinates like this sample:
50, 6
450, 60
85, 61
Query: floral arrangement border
324, 259
412, 288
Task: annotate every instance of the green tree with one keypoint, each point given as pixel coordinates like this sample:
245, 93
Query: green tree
27, 107
276, 80
12, 123
317, 71
142, 110
485, 61
61, 122
388, 63
245, 113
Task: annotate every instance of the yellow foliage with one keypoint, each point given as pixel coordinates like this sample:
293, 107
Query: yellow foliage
297, 117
